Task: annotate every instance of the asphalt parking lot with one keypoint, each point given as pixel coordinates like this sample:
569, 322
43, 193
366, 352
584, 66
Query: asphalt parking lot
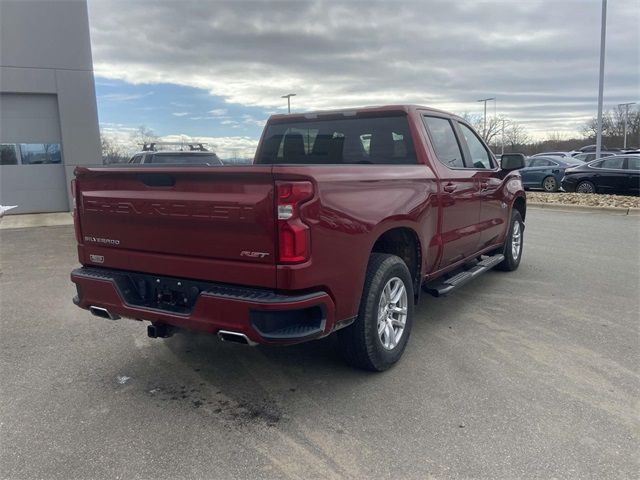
531, 374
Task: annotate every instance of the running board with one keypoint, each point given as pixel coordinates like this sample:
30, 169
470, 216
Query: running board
442, 287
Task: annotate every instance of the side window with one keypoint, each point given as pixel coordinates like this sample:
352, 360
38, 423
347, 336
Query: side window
539, 162
615, 163
633, 163
480, 157
136, 159
444, 141
544, 162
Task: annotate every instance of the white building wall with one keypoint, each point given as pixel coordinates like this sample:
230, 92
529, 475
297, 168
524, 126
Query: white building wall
45, 49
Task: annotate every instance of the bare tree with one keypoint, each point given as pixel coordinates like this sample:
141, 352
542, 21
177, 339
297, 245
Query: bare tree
111, 151
493, 133
516, 137
143, 135
613, 127
555, 141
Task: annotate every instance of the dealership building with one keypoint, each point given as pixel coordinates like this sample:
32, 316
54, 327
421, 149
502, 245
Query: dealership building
48, 115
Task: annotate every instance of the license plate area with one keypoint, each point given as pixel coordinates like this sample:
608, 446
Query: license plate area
161, 293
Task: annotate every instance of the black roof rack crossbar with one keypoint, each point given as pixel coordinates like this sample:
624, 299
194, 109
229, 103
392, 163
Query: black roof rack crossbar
192, 146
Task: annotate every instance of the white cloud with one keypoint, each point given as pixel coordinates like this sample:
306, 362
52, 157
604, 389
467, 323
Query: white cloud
125, 97
539, 58
218, 112
180, 114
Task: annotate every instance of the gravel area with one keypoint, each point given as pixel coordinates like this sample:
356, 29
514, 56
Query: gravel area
584, 199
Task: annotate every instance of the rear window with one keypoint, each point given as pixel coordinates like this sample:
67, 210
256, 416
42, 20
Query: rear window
199, 159
379, 140
572, 161
615, 163
633, 163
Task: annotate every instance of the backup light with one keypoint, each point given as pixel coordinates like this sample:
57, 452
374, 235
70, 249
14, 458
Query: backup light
294, 242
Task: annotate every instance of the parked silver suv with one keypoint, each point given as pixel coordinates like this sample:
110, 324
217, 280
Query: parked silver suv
182, 154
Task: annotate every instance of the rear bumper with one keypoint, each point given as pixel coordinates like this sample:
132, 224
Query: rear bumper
264, 316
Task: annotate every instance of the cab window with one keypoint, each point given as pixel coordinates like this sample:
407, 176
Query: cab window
480, 157
444, 141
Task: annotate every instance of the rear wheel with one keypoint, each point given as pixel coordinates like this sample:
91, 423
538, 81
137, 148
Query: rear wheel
513, 245
378, 337
550, 184
586, 187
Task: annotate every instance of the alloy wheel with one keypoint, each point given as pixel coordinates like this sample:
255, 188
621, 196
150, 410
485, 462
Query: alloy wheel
516, 240
585, 187
392, 313
550, 184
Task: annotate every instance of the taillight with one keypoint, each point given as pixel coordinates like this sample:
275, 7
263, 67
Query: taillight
74, 210
294, 242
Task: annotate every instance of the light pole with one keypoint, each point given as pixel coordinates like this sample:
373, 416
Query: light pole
484, 123
603, 34
288, 97
626, 119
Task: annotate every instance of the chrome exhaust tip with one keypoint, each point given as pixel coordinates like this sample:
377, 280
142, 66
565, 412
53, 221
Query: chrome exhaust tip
235, 337
103, 313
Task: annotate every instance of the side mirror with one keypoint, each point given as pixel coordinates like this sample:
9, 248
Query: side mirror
512, 161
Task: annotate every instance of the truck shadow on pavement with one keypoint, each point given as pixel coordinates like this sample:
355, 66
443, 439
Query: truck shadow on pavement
243, 384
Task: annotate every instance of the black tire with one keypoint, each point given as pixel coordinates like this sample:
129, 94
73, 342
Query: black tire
550, 184
586, 186
512, 261
360, 343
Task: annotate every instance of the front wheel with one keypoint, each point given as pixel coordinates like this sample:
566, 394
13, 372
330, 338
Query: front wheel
378, 337
586, 187
513, 244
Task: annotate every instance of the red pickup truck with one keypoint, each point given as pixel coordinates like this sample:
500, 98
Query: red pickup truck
344, 217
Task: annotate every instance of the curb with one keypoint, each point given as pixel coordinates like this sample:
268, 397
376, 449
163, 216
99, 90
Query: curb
585, 209
9, 222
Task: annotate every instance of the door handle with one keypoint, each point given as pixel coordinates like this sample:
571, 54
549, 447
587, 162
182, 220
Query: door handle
484, 185
449, 188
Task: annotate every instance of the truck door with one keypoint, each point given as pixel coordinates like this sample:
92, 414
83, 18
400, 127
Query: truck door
458, 192
493, 210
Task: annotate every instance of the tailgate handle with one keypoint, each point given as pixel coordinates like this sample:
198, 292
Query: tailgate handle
157, 179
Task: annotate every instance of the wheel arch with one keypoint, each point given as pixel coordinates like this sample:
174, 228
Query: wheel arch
403, 242
520, 205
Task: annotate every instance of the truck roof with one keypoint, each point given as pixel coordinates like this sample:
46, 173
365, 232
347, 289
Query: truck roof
405, 108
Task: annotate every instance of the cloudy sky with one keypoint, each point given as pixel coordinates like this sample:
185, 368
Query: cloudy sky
216, 70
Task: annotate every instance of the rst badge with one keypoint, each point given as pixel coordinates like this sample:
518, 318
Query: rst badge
246, 253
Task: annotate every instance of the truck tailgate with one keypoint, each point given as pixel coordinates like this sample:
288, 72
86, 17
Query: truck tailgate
160, 220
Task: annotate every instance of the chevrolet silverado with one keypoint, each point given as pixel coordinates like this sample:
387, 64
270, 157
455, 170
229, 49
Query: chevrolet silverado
342, 220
